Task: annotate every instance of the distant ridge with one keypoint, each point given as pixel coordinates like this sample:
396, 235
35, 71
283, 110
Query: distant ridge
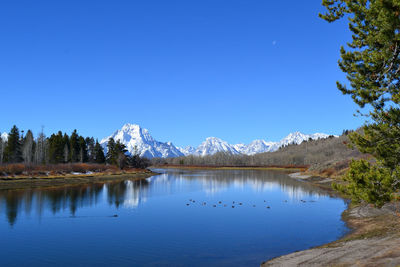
138, 140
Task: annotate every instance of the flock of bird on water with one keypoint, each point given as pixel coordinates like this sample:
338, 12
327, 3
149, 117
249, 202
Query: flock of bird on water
237, 203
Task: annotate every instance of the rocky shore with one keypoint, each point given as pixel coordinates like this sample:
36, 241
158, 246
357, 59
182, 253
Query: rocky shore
373, 241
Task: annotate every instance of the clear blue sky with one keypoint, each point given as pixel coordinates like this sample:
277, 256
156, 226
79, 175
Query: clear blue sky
236, 69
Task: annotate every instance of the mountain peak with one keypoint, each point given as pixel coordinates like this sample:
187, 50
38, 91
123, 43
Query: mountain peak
213, 145
138, 140
212, 138
130, 126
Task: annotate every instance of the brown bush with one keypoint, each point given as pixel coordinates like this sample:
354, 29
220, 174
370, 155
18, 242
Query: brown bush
54, 169
12, 169
328, 172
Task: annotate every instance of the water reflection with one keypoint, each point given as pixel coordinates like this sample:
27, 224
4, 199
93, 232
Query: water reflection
60, 199
132, 194
219, 180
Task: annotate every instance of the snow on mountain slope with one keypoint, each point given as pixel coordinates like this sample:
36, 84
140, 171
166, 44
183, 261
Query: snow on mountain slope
138, 140
4, 136
257, 146
298, 138
261, 146
188, 150
240, 147
213, 145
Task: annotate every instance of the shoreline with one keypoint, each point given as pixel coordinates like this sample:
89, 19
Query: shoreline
71, 179
291, 169
373, 239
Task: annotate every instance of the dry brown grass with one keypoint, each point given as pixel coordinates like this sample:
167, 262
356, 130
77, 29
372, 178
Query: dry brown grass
54, 169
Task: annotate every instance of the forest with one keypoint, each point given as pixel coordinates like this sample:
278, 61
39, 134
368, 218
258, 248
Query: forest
19, 152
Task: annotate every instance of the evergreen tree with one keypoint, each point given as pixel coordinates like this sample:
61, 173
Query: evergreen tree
116, 153
111, 156
13, 151
122, 158
372, 65
56, 148
98, 153
2, 146
74, 147
83, 153
135, 161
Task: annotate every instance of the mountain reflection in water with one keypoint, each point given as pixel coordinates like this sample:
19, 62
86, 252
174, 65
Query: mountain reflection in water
131, 194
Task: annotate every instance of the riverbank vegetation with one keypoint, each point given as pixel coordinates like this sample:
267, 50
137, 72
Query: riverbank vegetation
62, 154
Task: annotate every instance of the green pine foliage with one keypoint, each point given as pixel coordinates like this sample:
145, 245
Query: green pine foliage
98, 153
56, 148
111, 157
117, 154
371, 61
372, 64
121, 154
13, 149
74, 146
83, 152
370, 182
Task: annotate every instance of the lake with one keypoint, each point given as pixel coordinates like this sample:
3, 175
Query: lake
177, 218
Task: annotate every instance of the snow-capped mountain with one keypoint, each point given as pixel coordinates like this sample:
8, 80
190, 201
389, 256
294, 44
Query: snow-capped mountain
261, 146
138, 140
298, 138
257, 146
188, 150
4, 136
213, 145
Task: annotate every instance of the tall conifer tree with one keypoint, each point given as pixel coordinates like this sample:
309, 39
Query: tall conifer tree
99, 153
372, 64
74, 146
13, 151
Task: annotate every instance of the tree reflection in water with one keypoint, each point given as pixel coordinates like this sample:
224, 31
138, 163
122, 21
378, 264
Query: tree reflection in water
57, 199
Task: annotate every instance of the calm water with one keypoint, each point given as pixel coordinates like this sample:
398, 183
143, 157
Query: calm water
156, 226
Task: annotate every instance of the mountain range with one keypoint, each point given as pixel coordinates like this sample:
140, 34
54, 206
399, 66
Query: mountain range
139, 141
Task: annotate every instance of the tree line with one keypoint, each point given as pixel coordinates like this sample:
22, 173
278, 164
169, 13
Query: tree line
61, 148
